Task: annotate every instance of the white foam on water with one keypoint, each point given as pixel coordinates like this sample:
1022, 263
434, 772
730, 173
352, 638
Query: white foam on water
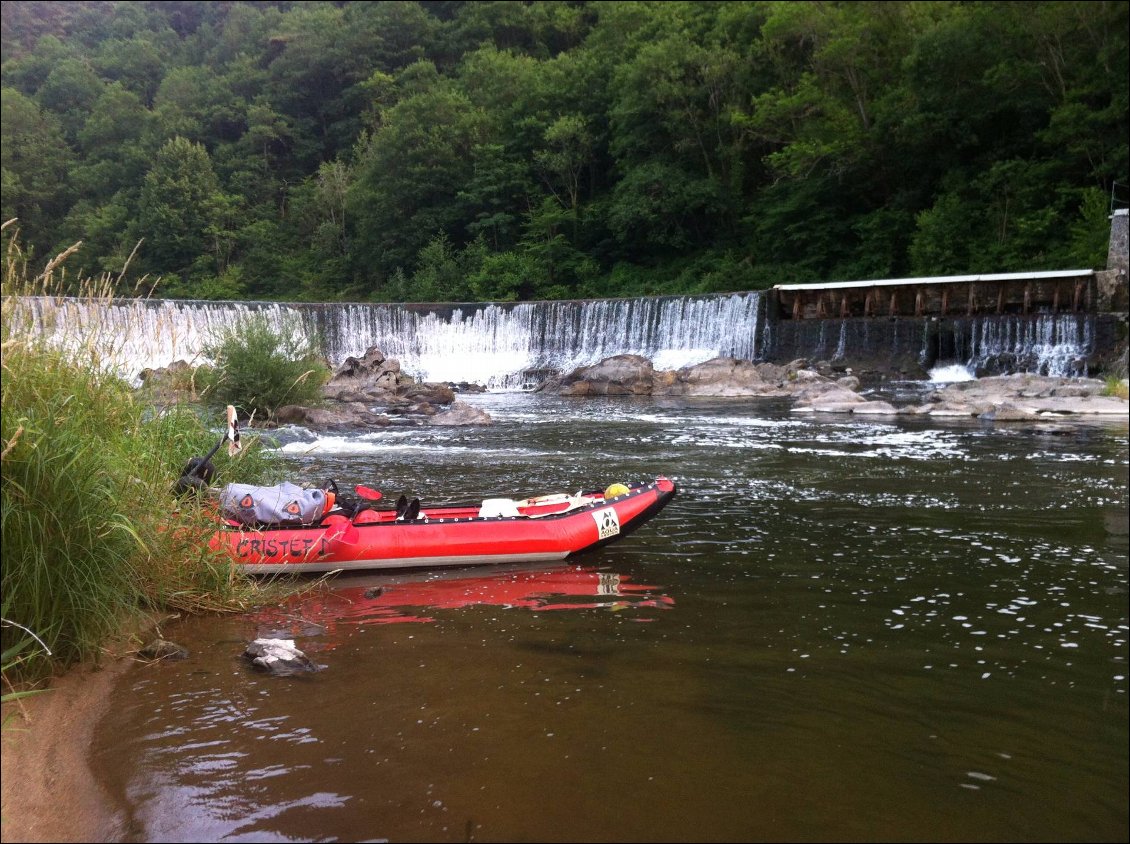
951, 373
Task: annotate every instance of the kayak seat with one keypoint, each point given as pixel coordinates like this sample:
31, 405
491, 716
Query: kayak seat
493, 508
367, 517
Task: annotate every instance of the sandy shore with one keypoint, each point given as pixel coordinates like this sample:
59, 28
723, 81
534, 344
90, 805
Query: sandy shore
49, 792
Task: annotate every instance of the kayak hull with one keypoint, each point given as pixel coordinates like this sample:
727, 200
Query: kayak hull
543, 531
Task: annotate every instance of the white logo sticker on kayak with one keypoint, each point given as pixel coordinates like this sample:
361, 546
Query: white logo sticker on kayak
607, 523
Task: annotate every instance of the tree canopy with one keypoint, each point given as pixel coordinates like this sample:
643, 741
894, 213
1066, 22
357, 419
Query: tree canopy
425, 151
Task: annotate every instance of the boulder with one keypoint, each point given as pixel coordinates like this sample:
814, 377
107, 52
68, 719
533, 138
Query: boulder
371, 374
371, 392
428, 392
1008, 412
163, 649
826, 407
621, 375
337, 416
722, 376
460, 413
820, 391
875, 408
1006, 398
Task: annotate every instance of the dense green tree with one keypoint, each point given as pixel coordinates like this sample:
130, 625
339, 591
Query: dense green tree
328, 150
70, 91
196, 104
28, 70
138, 63
34, 160
112, 153
409, 179
494, 194
181, 209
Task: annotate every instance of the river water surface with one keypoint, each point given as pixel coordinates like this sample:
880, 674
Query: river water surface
838, 630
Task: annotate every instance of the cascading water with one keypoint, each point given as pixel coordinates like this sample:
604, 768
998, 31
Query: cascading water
1044, 344
507, 346
500, 346
516, 346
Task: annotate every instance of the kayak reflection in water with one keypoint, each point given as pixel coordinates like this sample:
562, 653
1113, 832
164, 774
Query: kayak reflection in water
391, 599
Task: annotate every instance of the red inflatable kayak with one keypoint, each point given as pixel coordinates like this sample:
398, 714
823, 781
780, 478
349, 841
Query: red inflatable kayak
543, 529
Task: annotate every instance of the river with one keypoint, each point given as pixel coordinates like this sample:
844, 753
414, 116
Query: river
838, 630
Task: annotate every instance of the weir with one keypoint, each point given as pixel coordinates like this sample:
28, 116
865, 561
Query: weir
1060, 322
502, 346
514, 346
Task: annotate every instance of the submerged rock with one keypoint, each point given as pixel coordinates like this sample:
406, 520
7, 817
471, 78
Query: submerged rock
460, 413
163, 649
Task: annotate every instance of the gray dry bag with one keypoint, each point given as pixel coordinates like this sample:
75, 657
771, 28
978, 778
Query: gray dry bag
284, 504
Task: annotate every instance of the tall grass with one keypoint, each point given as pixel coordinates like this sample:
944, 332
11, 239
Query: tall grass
92, 536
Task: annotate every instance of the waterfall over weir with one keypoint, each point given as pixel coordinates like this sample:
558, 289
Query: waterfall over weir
505, 347
1045, 344
516, 346
1062, 345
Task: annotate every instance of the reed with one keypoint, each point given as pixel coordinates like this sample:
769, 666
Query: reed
91, 533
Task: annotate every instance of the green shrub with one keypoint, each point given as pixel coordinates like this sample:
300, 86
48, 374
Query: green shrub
260, 367
90, 530
1116, 386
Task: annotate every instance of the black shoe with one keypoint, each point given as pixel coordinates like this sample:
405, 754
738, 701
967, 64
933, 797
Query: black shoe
413, 511
401, 506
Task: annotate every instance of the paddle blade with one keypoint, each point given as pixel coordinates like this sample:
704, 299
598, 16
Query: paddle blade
233, 432
368, 493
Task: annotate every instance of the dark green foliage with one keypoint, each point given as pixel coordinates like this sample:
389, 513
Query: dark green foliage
501, 150
179, 206
261, 366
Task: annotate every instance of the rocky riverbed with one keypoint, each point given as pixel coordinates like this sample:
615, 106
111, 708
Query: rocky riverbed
816, 388
372, 392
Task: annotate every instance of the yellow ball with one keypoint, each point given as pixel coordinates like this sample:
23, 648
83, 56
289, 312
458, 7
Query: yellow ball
615, 490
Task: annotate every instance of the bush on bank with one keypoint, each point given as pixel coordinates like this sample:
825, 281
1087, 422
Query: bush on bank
91, 533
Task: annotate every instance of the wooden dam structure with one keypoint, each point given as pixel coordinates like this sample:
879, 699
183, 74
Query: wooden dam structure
1055, 292
1052, 322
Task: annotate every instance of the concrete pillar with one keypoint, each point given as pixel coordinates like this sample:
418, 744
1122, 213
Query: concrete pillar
1116, 258
1112, 285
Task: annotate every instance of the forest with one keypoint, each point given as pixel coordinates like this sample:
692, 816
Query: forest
499, 151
